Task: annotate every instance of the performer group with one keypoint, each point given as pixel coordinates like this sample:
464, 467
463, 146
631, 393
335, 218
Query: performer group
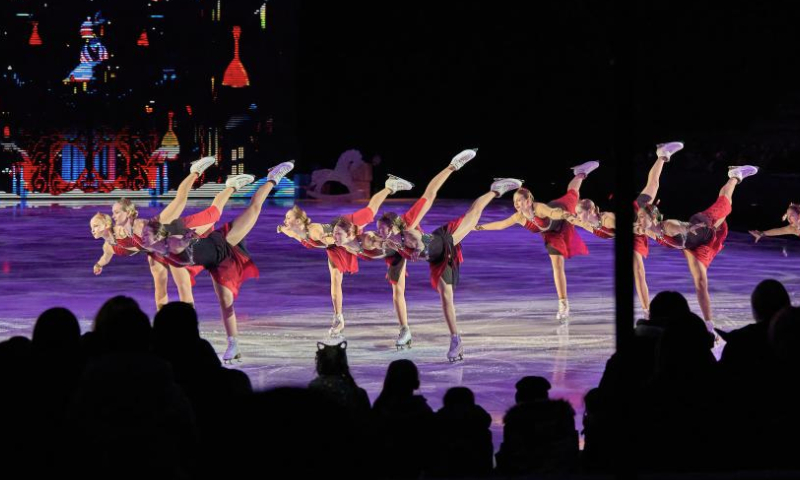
182, 246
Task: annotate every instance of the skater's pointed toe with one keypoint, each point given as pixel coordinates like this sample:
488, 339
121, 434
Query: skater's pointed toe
666, 150
463, 157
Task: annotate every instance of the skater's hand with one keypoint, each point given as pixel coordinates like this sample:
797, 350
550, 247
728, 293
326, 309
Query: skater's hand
757, 234
97, 269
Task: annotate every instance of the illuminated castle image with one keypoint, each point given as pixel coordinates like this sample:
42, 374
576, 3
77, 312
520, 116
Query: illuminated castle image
132, 113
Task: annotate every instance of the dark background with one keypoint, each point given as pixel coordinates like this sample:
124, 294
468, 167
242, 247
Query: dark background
531, 85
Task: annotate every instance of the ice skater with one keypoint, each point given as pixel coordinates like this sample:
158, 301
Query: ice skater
560, 238
701, 238
390, 226
222, 252
122, 232
442, 250
298, 226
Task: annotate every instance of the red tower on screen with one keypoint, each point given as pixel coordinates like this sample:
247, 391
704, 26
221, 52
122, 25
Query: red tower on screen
235, 74
143, 41
35, 39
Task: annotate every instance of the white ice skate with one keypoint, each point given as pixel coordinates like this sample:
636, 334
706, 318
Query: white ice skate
456, 351
585, 168
462, 158
277, 172
232, 353
397, 184
236, 182
563, 311
666, 150
503, 185
200, 166
404, 338
742, 172
337, 325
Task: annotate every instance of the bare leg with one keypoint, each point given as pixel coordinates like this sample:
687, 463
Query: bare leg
336, 288
651, 189
728, 188
242, 225
433, 189
219, 202
225, 298
700, 277
176, 206
160, 278
222, 198
641, 280
399, 297
727, 192
575, 183
448, 306
472, 216
183, 281
559, 276
377, 200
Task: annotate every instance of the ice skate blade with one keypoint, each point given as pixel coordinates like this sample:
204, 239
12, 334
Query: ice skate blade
335, 336
403, 346
231, 361
459, 358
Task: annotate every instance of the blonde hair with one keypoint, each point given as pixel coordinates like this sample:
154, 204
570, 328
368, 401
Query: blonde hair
524, 193
588, 205
794, 207
300, 214
129, 208
105, 218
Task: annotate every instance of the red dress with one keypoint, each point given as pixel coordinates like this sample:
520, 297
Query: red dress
395, 262
340, 257
640, 244
707, 250
134, 244
451, 257
559, 235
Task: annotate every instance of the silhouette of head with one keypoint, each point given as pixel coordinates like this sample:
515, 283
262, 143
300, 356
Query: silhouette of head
685, 344
120, 325
769, 297
56, 329
402, 378
532, 388
175, 324
459, 397
666, 305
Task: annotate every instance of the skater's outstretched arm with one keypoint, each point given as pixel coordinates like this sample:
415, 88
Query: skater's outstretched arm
515, 219
575, 220
289, 233
775, 232
541, 210
108, 254
670, 228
